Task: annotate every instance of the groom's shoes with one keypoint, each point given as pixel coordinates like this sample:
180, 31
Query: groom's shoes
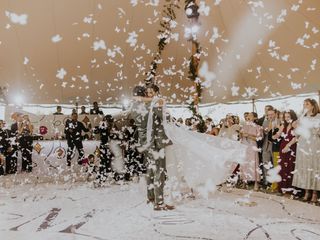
162, 207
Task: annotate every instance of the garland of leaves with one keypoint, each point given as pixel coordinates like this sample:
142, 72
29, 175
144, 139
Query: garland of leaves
168, 15
194, 77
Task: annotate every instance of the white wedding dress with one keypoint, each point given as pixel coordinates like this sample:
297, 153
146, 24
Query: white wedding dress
196, 160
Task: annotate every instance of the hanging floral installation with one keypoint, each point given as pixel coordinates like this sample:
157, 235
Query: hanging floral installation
168, 15
191, 9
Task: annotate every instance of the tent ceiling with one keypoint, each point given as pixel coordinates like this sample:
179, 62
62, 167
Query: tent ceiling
248, 44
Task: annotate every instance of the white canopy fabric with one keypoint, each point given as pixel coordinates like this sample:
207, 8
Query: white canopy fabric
55, 51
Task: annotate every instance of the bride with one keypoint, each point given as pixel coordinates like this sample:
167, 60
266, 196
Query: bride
195, 160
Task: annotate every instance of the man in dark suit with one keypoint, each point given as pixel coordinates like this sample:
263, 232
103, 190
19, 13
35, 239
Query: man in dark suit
263, 118
59, 111
106, 156
156, 167
4, 146
96, 110
73, 131
13, 148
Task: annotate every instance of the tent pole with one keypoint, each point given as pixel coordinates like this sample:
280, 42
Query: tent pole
253, 105
196, 59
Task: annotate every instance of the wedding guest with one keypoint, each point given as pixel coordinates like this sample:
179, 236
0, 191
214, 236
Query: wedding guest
73, 131
180, 121
25, 131
280, 116
270, 147
83, 111
214, 131
262, 122
106, 156
96, 110
133, 159
263, 119
12, 152
229, 128
255, 118
276, 145
4, 145
307, 170
209, 125
236, 119
59, 111
245, 116
249, 170
287, 152
188, 123
92, 167
2, 162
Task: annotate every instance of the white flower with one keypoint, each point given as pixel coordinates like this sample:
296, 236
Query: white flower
207, 75
295, 85
84, 78
134, 3
235, 90
17, 19
61, 73
99, 45
26, 61
215, 35
132, 39
56, 38
204, 9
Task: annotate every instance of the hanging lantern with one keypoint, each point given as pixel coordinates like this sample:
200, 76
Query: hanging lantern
192, 10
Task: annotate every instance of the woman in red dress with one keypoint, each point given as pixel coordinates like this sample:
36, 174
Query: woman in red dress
287, 153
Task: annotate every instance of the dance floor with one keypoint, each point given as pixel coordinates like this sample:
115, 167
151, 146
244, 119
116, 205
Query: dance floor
79, 211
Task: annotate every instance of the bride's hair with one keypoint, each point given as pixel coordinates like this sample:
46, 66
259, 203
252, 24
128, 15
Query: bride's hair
139, 91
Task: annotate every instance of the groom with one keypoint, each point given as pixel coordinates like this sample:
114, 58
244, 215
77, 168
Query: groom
154, 150
156, 166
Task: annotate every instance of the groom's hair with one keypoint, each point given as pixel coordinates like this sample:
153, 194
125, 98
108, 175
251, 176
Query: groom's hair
139, 91
155, 88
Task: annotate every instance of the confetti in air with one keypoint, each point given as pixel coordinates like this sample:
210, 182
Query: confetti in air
17, 19
56, 38
61, 73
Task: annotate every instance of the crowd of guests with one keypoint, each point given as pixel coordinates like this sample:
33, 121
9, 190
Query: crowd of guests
283, 154
109, 131
18, 138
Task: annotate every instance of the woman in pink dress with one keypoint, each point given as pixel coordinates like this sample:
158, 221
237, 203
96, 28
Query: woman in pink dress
249, 170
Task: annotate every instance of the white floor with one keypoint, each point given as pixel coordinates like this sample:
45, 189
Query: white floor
78, 211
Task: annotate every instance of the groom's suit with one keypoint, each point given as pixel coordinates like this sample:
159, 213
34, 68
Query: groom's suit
156, 157
154, 153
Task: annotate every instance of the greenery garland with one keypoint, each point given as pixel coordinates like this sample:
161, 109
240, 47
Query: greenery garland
168, 15
194, 77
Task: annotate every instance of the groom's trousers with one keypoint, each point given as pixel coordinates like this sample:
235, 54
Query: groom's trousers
155, 176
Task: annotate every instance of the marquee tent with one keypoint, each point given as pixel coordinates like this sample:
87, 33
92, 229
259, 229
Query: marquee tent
55, 51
